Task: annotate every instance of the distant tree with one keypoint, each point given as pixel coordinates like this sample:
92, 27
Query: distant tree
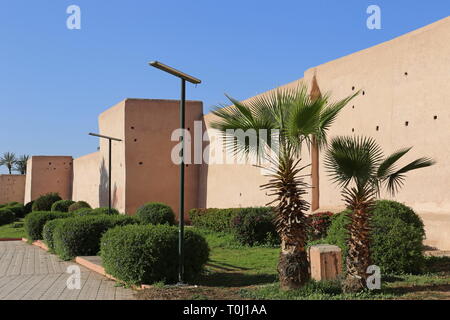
8, 159
21, 164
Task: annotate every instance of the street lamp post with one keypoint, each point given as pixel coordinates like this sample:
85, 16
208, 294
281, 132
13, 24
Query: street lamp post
184, 77
110, 139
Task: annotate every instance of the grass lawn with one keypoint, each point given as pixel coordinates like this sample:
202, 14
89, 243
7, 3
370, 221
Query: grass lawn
240, 272
13, 230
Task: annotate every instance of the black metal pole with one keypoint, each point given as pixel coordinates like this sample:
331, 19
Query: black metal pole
109, 177
181, 212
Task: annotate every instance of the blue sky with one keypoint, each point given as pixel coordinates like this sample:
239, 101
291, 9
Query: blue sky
54, 81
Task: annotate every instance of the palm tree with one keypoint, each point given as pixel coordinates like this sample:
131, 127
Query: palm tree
298, 118
358, 166
21, 164
9, 160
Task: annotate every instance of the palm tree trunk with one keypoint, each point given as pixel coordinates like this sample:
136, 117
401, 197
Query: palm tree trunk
291, 223
358, 258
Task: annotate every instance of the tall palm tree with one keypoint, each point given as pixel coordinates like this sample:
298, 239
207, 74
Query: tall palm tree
358, 166
21, 164
8, 159
298, 118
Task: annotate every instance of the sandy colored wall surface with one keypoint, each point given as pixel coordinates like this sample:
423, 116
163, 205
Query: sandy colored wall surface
403, 80
49, 174
112, 123
150, 173
86, 179
12, 188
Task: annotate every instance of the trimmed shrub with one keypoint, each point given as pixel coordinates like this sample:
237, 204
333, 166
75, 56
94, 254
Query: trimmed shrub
83, 212
149, 253
28, 208
35, 221
318, 225
18, 209
6, 216
62, 205
45, 202
80, 236
219, 220
254, 226
78, 205
155, 213
396, 237
105, 211
48, 230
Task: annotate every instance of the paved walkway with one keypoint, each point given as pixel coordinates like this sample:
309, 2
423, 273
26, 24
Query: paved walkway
30, 273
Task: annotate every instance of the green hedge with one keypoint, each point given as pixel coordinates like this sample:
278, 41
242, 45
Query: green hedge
78, 205
48, 231
62, 205
219, 220
396, 237
18, 209
149, 253
155, 213
80, 236
104, 210
45, 202
255, 226
35, 221
6, 216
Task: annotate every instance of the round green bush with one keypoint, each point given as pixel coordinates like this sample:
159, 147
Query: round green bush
155, 213
6, 216
83, 212
45, 202
18, 209
145, 254
105, 211
48, 230
397, 233
80, 236
78, 205
28, 208
254, 226
62, 205
35, 221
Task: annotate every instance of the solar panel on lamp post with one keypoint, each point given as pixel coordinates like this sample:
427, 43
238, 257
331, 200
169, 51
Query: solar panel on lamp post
109, 164
184, 77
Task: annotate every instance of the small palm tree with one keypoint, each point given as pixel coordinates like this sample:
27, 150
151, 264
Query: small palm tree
358, 166
8, 159
21, 164
298, 119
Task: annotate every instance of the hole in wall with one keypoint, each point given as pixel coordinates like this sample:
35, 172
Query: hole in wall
135, 140
363, 93
353, 129
406, 73
49, 163
435, 117
377, 128
141, 163
406, 123
353, 107
353, 88
132, 128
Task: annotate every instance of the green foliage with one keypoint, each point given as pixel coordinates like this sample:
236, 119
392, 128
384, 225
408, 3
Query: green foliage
45, 202
155, 213
6, 216
17, 208
80, 236
149, 253
105, 211
35, 221
83, 212
28, 208
62, 205
78, 205
396, 237
48, 230
319, 223
254, 226
219, 220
